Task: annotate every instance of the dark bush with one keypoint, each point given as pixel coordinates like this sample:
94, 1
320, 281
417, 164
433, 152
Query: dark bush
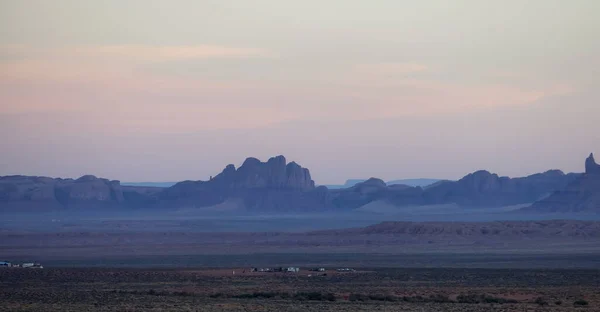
439, 298
488, 299
468, 299
413, 299
540, 301
264, 295
580, 303
558, 302
358, 297
284, 295
377, 297
390, 298
314, 296
309, 296
329, 297
473, 299
317, 296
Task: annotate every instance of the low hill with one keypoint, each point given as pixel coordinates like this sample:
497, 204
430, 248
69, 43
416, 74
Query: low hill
409, 182
149, 184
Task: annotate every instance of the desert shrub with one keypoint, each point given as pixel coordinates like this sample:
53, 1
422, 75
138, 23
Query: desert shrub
580, 302
377, 297
390, 298
413, 299
381, 297
479, 298
439, 298
263, 295
558, 302
284, 295
417, 299
329, 297
316, 296
309, 296
468, 298
218, 295
540, 301
489, 299
358, 297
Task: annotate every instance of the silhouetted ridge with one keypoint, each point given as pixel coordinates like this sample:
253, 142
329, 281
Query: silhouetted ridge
279, 186
581, 195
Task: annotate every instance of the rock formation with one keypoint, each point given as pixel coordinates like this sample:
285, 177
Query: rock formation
276, 173
274, 185
279, 186
485, 189
591, 167
86, 190
581, 195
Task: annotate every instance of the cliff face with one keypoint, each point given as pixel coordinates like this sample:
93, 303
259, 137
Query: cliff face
65, 192
276, 173
483, 188
591, 167
274, 185
581, 195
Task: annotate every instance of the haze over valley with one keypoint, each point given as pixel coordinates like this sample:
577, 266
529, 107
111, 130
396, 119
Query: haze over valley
274, 207
315, 155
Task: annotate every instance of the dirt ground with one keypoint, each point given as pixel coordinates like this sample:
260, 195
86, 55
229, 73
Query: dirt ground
103, 289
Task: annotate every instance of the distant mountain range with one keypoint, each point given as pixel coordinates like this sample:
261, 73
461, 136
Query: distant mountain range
349, 183
409, 182
279, 186
149, 184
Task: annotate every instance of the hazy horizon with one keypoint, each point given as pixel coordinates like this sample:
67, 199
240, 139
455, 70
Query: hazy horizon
143, 91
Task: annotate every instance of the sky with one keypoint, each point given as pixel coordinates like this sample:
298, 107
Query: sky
146, 90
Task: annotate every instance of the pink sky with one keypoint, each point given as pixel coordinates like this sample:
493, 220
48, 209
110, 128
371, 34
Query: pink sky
429, 91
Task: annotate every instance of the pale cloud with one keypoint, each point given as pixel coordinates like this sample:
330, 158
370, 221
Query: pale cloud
39, 79
112, 64
387, 69
96, 79
108, 89
400, 89
170, 53
129, 52
120, 66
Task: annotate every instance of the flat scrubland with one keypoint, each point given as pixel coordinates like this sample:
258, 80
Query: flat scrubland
367, 289
541, 243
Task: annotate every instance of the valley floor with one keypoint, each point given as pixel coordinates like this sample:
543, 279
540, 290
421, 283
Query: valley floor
105, 289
